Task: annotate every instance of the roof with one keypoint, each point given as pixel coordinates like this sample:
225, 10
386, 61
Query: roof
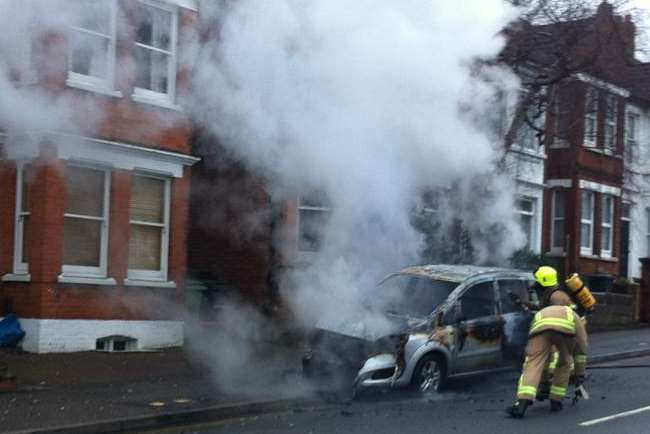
637, 80
454, 273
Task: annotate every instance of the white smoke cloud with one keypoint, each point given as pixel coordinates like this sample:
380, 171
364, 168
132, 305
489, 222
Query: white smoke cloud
368, 101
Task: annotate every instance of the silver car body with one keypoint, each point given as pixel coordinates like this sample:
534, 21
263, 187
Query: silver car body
466, 346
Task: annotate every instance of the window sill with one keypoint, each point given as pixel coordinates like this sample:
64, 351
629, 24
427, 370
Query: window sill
150, 283
556, 253
12, 277
77, 84
588, 256
87, 280
161, 101
608, 259
603, 151
560, 144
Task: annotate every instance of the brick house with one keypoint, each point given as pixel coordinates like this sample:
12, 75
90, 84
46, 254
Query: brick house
591, 201
93, 215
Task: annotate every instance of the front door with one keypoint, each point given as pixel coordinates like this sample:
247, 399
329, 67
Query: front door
480, 330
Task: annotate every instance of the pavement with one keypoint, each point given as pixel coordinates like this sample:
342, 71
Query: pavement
96, 392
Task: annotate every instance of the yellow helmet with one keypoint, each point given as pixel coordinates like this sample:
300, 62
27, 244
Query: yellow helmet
546, 276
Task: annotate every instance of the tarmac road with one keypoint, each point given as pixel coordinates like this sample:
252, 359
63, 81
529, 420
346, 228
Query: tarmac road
469, 406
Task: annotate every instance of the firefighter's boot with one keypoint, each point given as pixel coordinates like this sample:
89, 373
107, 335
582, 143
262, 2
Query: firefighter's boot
543, 391
518, 409
556, 405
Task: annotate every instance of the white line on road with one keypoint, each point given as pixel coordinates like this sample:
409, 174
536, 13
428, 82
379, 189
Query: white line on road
615, 416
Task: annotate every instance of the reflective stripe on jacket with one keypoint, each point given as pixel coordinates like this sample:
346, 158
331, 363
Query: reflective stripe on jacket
555, 318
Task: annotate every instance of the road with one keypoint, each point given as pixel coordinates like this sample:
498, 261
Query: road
468, 406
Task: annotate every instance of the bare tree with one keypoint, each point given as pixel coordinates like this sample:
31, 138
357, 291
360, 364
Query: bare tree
555, 39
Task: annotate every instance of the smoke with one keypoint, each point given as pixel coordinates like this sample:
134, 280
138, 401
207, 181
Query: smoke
369, 103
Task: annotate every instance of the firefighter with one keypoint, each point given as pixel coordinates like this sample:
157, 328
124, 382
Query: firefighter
551, 292
557, 326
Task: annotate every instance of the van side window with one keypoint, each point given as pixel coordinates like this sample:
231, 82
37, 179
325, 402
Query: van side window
511, 286
478, 301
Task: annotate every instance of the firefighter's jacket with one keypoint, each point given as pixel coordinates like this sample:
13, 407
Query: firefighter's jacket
562, 319
556, 297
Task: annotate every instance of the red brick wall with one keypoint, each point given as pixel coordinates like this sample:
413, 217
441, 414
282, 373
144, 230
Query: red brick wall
7, 215
44, 297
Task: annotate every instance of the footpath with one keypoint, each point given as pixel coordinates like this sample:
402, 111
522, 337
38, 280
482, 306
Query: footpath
97, 392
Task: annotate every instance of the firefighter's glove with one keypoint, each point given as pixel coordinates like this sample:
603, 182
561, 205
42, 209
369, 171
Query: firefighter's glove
580, 380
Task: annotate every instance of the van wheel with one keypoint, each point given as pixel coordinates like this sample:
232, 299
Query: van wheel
430, 374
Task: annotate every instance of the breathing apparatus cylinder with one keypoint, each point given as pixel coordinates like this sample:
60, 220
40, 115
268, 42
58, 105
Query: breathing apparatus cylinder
581, 292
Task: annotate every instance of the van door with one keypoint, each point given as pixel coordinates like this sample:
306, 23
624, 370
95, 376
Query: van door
479, 329
517, 320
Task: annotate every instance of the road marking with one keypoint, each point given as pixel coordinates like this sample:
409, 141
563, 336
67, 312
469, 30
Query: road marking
615, 416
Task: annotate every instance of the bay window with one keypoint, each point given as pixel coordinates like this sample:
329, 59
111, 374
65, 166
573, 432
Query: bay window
149, 228
85, 231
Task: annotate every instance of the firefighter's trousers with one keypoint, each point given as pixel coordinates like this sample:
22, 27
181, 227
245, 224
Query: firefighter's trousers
538, 352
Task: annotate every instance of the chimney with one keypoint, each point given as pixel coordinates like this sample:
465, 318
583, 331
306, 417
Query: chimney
628, 35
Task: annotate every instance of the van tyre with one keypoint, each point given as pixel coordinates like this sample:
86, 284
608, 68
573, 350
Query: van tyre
430, 374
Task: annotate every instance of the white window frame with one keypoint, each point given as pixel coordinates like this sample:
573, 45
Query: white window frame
554, 219
102, 269
300, 208
88, 82
647, 230
591, 115
533, 219
632, 121
587, 250
611, 123
158, 98
607, 253
20, 267
151, 275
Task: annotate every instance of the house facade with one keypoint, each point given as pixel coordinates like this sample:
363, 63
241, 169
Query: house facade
94, 204
594, 132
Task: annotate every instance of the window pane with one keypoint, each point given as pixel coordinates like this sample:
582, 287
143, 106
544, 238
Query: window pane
96, 15
147, 200
607, 209
558, 233
144, 248
526, 222
478, 301
606, 239
154, 27
153, 69
585, 235
558, 206
525, 205
515, 287
82, 240
89, 55
312, 223
587, 205
84, 192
